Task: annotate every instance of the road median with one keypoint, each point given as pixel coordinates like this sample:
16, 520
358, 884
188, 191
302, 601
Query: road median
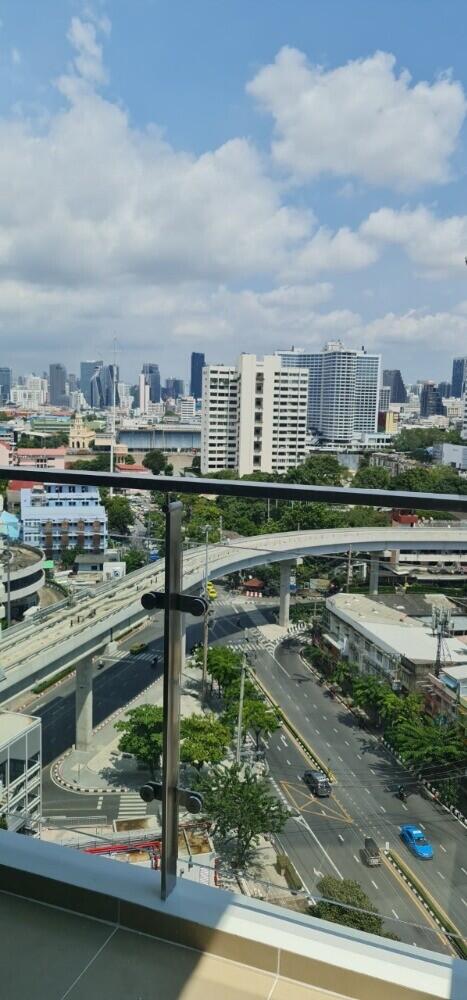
445, 924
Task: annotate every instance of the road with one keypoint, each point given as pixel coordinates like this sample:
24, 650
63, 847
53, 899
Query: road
326, 837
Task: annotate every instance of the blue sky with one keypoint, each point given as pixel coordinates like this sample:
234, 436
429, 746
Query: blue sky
232, 175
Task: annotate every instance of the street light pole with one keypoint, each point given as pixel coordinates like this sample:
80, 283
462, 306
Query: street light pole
206, 619
240, 709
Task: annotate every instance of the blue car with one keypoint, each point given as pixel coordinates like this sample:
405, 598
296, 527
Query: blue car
415, 840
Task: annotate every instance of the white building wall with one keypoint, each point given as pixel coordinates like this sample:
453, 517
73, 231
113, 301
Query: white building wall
219, 418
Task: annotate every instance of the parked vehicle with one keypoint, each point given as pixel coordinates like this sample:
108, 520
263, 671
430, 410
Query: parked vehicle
318, 783
416, 841
138, 647
371, 852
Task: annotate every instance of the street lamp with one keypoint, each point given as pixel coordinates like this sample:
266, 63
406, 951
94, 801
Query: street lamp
206, 619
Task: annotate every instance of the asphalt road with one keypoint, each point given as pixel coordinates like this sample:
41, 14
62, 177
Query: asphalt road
326, 837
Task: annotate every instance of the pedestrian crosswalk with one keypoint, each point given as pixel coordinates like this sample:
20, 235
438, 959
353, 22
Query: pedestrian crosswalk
131, 806
259, 644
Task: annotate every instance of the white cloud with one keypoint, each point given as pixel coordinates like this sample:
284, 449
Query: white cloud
15, 56
343, 250
361, 120
88, 61
445, 331
438, 246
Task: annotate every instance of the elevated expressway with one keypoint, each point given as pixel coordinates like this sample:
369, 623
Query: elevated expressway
77, 628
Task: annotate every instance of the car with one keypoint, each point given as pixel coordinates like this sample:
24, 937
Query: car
371, 852
415, 840
317, 782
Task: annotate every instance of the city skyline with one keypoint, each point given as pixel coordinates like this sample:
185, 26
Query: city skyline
345, 220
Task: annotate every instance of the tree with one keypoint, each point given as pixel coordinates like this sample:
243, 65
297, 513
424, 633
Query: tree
142, 735
155, 461
204, 740
369, 477
3, 822
68, 556
261, 719
119, 513
350, 894
223, 665
134, 559
240, 805
127, 460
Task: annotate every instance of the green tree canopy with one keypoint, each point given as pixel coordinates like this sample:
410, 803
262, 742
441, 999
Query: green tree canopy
119, 513
257, 716
350, 894
369, 477
204, 740
155, 461
142, 735
241, 806
134, 559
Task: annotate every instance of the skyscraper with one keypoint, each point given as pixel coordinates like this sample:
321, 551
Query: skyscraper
5, 384
459, 377
102, 387
153, 380
57, 385
444, 389
431, 403
343, 390
174, 387
87, 369
196, 381
393, 378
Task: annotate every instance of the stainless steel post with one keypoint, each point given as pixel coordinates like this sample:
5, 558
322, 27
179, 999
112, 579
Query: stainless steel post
171, 702
240, 710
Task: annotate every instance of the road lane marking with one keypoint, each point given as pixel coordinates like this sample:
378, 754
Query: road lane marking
314, 706
340, 837
324, 717
372, 771
357, 859
407, 809
328, 744
368, 790
395, 914
463, 900
317, 873
317, 732
441, 875
99, 802
443, 848
382, 809
326, 855
347, 743
289, 763
284, 741
353, 773
299, 777
374, 883
336, 730
463, 870
422, 826
358, 755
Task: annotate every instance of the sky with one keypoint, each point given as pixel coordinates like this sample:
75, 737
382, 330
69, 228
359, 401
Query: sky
232, 175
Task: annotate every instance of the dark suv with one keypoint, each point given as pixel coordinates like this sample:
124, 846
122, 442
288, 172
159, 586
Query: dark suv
317, 782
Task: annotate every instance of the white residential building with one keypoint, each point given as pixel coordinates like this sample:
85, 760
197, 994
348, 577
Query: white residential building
254, 417
30, 395
20, 770
344, 386
185, 406
56, 518
464, 419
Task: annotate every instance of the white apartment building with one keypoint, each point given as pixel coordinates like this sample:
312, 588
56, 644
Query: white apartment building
254, 417
344, 387
20, 770
30, 395
464, 419
185, 407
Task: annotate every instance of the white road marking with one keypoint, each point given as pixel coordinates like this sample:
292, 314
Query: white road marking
382, 809
367, 790
317, 732
314, 706
340, 758
422, 826
358, 755
299, 777
395, 914
340, 837
336, 730
374, 883
284, 741
443, 848
463, 900
328, 744
317, 873
372, 771
100, 801
347, 743
290, 765
313, 834
353, 773
407, 809
357, 859
325, 718
463, 870
305, 694
441, 875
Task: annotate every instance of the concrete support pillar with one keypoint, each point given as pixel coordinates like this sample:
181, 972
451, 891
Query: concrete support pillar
84, 705
183, 643
284, 607
374, 574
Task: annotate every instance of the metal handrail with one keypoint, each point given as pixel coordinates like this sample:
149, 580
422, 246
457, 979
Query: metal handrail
247, 488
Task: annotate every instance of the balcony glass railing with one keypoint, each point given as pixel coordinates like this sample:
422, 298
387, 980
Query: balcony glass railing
294, 705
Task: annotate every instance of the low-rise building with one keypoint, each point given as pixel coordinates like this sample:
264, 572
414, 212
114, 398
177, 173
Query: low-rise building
58, 518
20, 770
37, 458
81, 434
446, 695
454, 455
386, 642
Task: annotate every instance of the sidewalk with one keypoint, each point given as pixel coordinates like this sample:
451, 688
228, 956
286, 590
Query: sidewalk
103, 769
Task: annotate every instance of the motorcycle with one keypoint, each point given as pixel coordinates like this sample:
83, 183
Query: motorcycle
402, 794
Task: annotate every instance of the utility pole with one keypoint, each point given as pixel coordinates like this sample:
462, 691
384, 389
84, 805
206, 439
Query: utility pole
206, 618
349, 569
8, 580
441, 626
114, 403
220, 528
240, 709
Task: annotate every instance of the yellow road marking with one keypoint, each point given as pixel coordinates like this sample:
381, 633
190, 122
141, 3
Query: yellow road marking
427, 915
305, 802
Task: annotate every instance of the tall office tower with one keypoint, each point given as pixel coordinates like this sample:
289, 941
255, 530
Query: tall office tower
144, 393
384, 398
72, 382
198, 362
254, 417
87, 370
5, 384
313, 362
367, 386
459, 377
464, 419
153, 380
444, 389
174, 387
57, 385
393, 378
430, 400
102, 387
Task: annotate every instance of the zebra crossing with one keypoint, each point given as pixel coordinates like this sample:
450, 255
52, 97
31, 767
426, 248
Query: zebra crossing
259, 644
131, 806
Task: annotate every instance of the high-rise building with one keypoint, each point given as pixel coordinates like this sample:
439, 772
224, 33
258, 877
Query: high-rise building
464, 419
393, 378
87, 370
144, 390
57, 518
57, 385
153, 380
186, 409
102, 387
5, 384
174, 387
431, 403
254, 417
444, 389
384, 398
343, 390
459, 376
72, 382
196, 381
313, 362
